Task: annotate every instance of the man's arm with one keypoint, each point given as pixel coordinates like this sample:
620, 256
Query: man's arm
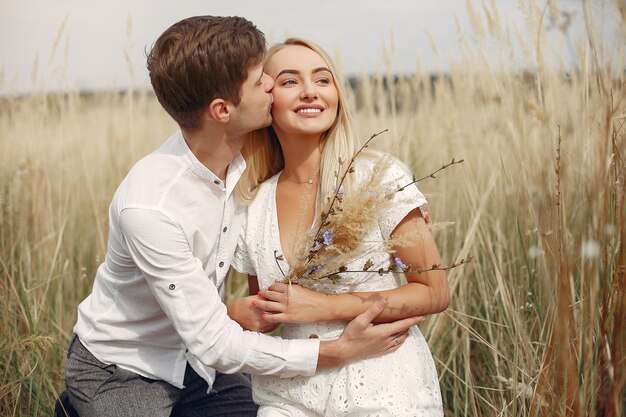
359, 340
189, 298
193, 305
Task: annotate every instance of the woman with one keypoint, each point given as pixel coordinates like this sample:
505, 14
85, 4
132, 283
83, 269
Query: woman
291, 173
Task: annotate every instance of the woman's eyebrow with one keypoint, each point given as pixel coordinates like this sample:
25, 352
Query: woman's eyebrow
319, 69
294, 71
288, 71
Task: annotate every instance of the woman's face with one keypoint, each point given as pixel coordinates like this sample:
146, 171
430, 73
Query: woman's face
305, 95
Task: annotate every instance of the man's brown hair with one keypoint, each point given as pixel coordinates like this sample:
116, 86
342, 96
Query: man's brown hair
202, 58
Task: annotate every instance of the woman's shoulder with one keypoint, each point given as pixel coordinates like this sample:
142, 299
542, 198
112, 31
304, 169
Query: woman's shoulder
388, 165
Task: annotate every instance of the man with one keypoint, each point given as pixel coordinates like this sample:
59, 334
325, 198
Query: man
150, 335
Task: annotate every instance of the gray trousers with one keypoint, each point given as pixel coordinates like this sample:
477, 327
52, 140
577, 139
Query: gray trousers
99, 390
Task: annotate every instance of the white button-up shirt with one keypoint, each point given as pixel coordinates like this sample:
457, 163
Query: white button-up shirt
173, 227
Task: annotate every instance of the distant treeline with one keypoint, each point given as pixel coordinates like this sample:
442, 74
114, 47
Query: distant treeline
402, 88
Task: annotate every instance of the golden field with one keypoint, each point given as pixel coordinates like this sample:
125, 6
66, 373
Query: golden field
536, 321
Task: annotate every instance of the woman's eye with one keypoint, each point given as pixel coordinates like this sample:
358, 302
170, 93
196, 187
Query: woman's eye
289, 81
323, 81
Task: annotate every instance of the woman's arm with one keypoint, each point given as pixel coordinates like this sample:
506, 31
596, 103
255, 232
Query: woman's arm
425, 293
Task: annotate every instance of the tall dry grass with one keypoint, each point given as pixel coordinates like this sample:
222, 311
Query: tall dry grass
536, 322
62, 157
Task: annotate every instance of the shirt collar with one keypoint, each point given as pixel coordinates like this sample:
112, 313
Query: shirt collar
235, 168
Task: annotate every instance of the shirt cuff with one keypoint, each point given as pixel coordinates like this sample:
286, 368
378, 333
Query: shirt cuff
303, 354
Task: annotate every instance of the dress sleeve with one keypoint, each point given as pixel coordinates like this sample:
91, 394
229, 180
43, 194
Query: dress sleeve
192, 303
241, 260
397, 177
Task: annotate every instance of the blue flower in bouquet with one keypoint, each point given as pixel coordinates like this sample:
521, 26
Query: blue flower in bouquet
400, 264
314, 268
327, 237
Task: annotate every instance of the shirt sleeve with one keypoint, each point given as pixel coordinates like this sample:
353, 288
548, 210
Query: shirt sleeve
241, 260
192, 303
404, 198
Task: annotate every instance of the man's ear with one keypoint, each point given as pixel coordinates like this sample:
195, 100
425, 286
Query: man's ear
219, 110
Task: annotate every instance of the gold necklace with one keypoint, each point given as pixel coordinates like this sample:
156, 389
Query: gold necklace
309, 181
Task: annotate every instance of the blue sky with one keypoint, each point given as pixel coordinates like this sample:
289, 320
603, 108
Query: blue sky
82, 44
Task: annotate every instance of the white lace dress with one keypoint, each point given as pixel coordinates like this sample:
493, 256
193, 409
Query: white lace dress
402, 384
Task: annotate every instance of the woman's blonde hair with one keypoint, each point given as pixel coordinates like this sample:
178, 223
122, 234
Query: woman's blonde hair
264, 156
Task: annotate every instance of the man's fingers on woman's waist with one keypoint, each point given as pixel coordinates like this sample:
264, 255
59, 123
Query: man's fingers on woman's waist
366, 317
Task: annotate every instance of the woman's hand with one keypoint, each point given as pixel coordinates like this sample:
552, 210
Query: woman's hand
291, 303
244, 312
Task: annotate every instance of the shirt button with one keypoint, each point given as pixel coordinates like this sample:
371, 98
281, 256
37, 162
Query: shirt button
216, 182
172, 286
224, 229
221, 264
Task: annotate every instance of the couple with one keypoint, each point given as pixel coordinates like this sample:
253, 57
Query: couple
154, 337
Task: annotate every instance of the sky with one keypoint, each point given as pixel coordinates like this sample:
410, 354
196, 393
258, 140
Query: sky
91, 45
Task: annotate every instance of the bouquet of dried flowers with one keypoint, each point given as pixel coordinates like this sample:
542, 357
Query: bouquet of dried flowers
338, 239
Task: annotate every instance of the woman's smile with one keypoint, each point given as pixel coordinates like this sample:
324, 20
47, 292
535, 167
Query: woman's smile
309, 110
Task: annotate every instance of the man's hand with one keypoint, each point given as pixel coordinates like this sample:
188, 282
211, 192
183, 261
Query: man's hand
244, 312
290, 303
361, 339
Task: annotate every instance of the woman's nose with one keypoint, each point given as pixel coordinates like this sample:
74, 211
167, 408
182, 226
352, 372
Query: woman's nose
308, 90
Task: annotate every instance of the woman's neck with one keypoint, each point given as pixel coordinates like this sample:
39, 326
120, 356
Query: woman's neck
302, 158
